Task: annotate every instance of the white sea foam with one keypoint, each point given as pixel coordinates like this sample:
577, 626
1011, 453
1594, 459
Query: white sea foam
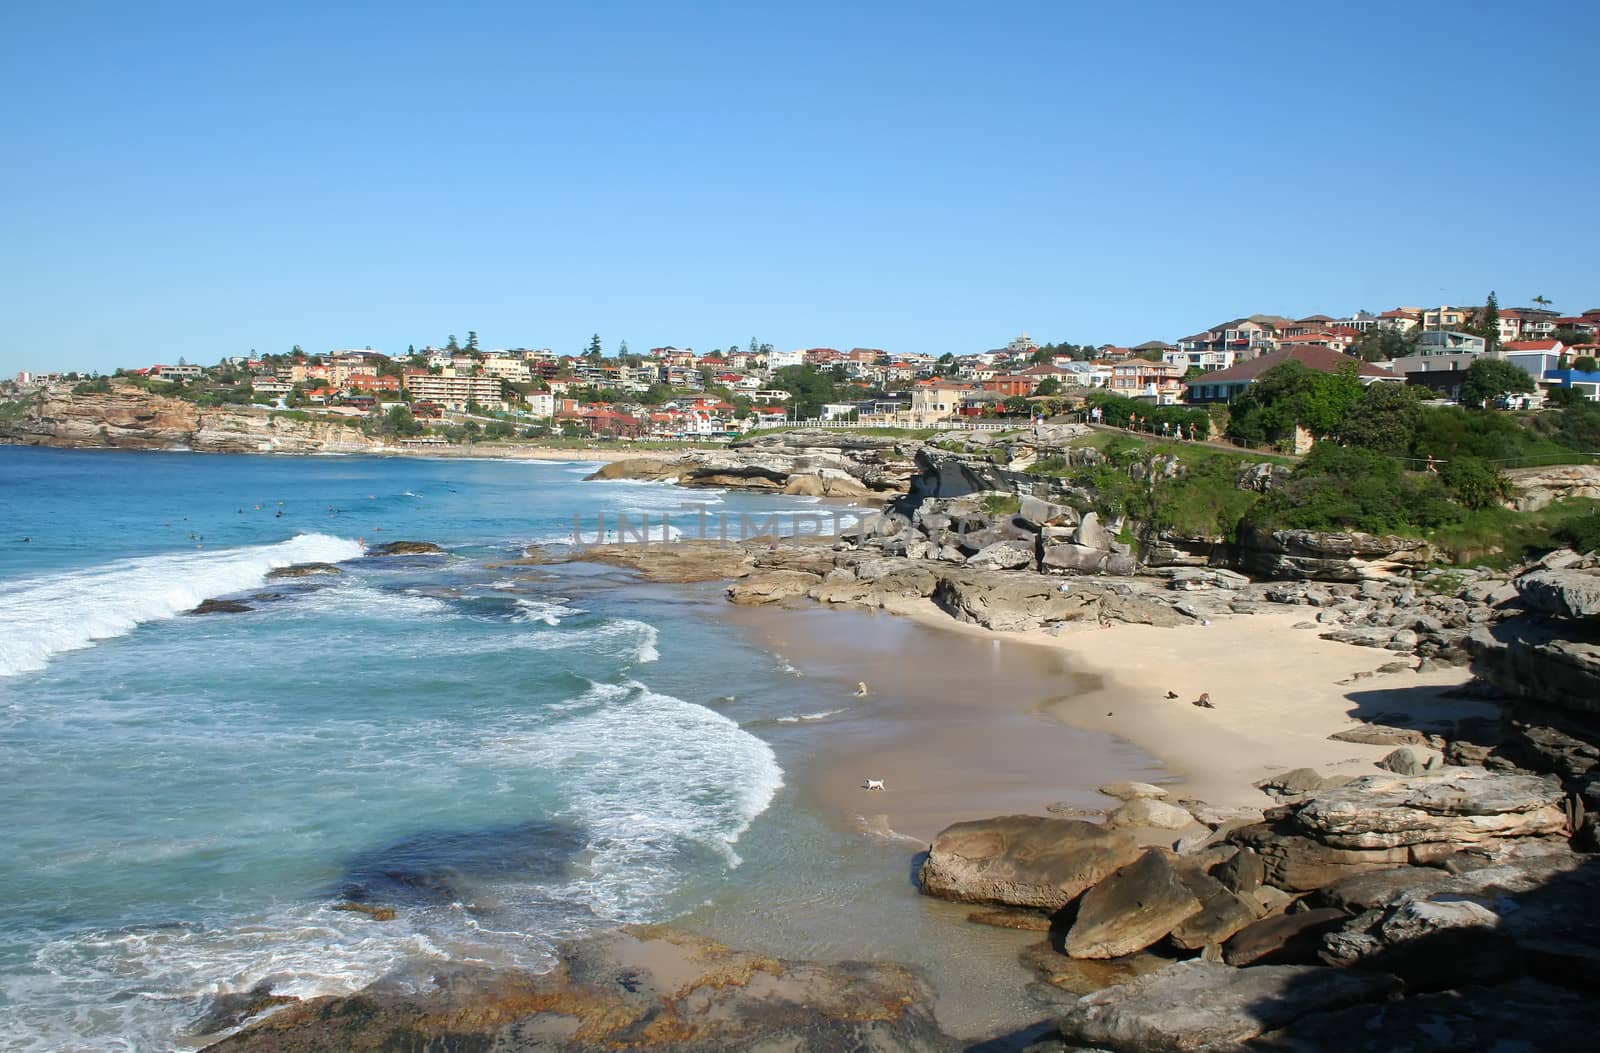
801, 718
550, 612
646, 775
43, 617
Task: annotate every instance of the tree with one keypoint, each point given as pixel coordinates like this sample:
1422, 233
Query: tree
297, 352
472, 340
1048, 386
595, 353
1291, 394
1585, 364
452, 346
1489, 322
622, 350
1381, 345
1489, 379
1542, 301
755, 348
1384, 419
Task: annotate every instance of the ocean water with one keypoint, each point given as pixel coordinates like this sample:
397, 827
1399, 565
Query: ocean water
504, 755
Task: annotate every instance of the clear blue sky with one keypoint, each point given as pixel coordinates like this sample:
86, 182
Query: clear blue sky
198, 181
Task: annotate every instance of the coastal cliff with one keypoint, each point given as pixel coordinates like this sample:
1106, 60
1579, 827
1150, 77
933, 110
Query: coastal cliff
128, 419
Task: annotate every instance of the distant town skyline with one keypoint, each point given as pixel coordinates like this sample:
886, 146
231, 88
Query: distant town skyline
201, 182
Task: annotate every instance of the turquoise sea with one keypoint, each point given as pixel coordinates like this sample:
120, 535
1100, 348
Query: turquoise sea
504, 755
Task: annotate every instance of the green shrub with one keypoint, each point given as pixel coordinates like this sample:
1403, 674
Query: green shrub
1345, 488
1474, 482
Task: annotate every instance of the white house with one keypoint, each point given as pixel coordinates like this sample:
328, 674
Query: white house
782, 359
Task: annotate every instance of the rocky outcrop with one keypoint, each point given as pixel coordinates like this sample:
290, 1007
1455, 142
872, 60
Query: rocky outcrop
1449, 806
1018, 601
1329, 556
130, 419
1572, 592
817, 463
215, 606
772, 586
1022, 861
304, 570
1198, 1005
405, 548
641, 989
1534, 488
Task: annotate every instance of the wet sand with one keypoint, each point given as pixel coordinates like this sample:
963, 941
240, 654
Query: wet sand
955, 726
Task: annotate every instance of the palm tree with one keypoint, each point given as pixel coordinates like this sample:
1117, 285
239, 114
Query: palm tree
1542, 300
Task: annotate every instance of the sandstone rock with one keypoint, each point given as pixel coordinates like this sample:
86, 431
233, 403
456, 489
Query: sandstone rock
1083, 976
1379, 735
1243, 873
1362, 892
771, 587
1449, 805
1142, 811
1222, 914
1022, 860
1297, 781
681, 561
1329, 556
1565, 593
1131, 909
1288, 939
1003, 555
1199, 1005
1402, 762
1043, 513
1525, 660
303, 570
1090, 534
1297, 863
639, 988
1536, 488
1127, 791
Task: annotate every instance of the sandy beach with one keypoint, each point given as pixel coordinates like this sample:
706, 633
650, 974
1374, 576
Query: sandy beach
962, 722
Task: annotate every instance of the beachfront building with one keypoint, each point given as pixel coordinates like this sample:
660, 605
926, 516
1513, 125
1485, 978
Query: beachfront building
938, 399
1157, 382
1225, 385
1451, 342
454, 390
1206, 359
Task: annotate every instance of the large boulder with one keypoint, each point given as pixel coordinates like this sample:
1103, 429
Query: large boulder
1090, 534
1454, 806
1131, 909
1201, 1005
1022, 860
639, 989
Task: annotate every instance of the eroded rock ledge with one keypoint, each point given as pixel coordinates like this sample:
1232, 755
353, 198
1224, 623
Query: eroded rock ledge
643, 988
